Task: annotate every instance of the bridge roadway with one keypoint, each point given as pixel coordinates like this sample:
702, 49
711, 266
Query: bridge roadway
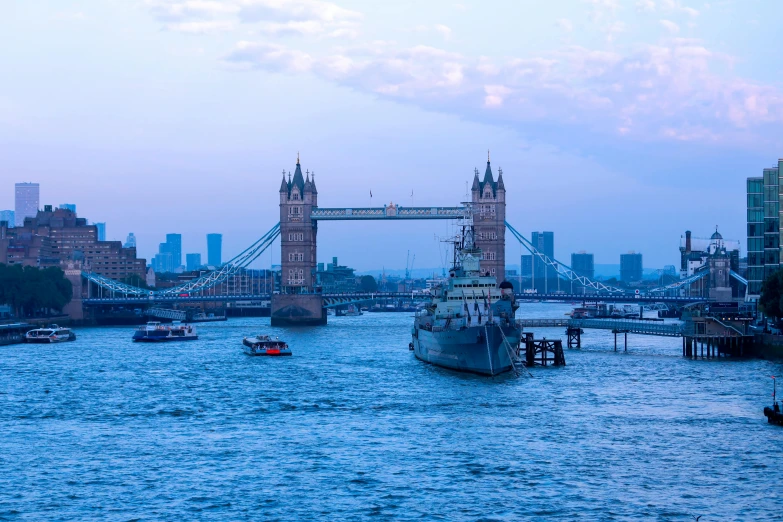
634, 326
346, 298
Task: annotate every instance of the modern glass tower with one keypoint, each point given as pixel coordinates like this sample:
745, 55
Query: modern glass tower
175, 248
101, 227
755, 274
764, 227
27, 198
214, 249
544, 276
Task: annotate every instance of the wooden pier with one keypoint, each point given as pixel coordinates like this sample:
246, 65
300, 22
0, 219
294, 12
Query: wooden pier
541, 352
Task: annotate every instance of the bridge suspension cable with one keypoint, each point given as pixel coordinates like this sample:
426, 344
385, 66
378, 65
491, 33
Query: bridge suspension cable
208, 280
682, 282
563, 271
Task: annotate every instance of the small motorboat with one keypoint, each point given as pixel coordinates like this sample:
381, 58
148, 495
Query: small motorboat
53, 334
155, 332
265, 345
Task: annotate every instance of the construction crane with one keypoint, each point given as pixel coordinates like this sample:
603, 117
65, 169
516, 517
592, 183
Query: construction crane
407, 263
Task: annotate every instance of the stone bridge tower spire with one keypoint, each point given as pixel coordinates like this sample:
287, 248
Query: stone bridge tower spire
297, 303
489, 203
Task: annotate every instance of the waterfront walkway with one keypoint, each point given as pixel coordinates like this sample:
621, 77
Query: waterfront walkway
635, 326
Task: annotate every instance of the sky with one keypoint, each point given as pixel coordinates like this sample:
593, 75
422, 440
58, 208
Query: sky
618, 124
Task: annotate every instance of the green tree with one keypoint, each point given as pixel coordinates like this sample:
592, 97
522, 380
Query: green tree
368, 284
771, 295
32, 291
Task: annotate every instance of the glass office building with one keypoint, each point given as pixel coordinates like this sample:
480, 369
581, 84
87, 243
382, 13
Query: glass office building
764, 227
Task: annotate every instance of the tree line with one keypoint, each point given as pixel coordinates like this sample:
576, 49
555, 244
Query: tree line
31, 291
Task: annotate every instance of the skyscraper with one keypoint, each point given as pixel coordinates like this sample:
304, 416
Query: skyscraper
214, 249
630, 267
101, 231
130, 241
8, 215
582, 263
764, 227
68, 206
27, 199
192, 262
175, 247
544, 276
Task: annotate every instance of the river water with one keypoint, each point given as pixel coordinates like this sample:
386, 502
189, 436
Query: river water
353, 427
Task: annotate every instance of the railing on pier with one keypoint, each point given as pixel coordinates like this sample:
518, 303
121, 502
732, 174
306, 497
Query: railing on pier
636, 326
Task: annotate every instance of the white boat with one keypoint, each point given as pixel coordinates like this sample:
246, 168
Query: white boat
155, 332
265, 345
53, 334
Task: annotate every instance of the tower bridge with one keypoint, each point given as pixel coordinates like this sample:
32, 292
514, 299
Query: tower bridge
300, 302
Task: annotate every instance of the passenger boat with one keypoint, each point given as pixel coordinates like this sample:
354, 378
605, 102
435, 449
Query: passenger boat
351, 311
155, 332
265, 345
53, 334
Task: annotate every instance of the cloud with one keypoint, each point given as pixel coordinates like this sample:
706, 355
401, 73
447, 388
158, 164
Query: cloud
201, 27
645, 5
676, 6
274, 17
443, 30
670, 26
656, 91
565, 24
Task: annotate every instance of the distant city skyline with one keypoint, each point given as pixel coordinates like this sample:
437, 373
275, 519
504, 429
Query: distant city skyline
606, 117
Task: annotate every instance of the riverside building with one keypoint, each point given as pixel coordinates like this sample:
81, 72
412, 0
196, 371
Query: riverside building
54, 236
764, 245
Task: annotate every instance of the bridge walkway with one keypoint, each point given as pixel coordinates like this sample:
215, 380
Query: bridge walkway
635, 326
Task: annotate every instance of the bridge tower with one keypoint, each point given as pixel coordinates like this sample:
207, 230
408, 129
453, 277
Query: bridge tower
489, 203
297, 304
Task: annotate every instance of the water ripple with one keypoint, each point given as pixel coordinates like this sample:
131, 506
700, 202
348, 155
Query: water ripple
354, 428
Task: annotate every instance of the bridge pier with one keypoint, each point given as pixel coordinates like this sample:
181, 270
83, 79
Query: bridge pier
298, 310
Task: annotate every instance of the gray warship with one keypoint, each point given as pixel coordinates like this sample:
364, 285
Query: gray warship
469, 325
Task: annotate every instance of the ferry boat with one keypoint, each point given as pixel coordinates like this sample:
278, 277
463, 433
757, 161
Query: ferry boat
53, 334
265, 345
351, 311
469, 324
155, 332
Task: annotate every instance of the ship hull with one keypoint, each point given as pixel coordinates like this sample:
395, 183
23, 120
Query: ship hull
474, 350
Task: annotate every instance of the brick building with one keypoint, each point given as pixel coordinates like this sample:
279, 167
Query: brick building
57, 235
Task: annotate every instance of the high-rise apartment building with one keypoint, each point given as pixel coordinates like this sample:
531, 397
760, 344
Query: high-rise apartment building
175, 248
27, 199
192, 262
130, 241
8, 216
68, 206
631, 268
101, 227
214, 249
764, 227
545, 278
582, 263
